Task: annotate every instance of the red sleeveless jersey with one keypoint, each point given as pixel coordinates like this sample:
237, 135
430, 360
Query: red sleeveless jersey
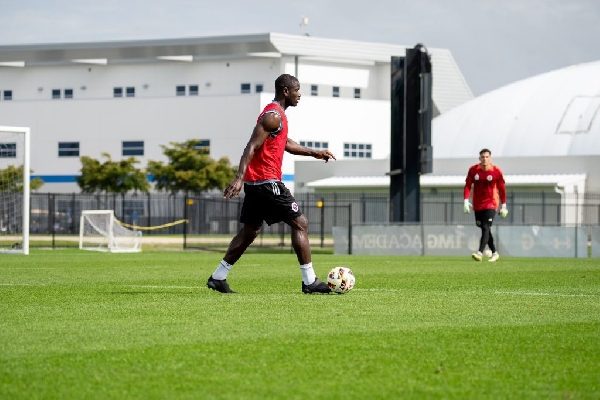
488, 185
267, 159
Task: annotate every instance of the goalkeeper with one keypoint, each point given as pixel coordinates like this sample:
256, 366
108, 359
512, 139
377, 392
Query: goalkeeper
488, 184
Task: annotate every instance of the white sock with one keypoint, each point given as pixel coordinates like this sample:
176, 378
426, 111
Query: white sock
222, 270
308, 273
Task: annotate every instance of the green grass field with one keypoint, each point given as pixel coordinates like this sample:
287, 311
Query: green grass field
85, 325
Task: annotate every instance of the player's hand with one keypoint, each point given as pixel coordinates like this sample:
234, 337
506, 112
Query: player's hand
324, 155
234, 188
467, 206
503, 211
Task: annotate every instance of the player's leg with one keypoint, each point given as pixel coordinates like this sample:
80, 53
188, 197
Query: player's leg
238, 245
485, 236
490, 218
479, 217
300, 241
286, 209
251, 218
301, 245
240, 242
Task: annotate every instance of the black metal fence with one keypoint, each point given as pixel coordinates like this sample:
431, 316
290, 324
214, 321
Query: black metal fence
58, 214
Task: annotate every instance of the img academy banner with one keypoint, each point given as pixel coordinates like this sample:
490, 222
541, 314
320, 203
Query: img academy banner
413, 240
459, 240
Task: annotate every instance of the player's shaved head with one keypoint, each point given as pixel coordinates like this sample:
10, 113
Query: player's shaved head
285, 81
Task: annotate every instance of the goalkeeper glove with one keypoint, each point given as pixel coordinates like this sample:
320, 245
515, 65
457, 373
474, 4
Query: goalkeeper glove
467, 206
503, 211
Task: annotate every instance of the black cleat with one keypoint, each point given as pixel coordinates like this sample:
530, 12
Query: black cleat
317, 286
219, 285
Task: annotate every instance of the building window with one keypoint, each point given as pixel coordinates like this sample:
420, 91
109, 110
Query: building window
357, 93
203, 145
314, 90
56, 93
315, 145
130, 92
259, 88
8, 95
193, 90
118, 92
8, 150
358, 150
336, 91
245, 88
135, 148
68, 149
68, 93
180, 90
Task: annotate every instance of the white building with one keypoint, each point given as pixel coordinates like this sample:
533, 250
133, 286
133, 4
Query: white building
128, 98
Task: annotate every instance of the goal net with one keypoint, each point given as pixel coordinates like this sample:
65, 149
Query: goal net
14, 190
99, 230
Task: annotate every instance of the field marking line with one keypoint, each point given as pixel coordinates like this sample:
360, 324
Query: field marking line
23, 284
163, 287
202, 287
547, 294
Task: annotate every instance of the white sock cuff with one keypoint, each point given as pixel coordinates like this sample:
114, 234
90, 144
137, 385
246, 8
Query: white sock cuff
308, 273
225, 265
306, 266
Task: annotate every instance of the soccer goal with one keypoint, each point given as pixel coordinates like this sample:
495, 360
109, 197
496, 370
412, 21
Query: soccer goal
14, 189
99, 230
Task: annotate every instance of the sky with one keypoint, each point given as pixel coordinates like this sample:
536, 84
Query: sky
493, 42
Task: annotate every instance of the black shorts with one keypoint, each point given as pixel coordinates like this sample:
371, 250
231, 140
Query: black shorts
271, 202
484, 216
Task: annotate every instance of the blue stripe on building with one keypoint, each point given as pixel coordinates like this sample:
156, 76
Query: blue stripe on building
56, 178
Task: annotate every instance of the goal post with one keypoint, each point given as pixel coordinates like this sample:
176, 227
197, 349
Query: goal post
14, 189
99, 230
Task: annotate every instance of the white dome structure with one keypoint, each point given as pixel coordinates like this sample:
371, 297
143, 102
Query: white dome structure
554, 114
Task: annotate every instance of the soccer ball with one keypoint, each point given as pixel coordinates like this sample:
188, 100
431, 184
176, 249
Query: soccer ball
487, 253
341, 280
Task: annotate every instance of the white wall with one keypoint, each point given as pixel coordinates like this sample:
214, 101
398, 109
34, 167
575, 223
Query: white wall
339, 120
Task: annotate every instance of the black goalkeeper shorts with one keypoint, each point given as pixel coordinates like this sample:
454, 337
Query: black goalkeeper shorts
271, 202
484, 217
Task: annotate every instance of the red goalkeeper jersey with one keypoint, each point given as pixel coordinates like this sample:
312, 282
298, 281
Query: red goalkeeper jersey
488, 185
267, 160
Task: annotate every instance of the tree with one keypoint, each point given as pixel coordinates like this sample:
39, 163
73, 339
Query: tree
11, 180
111, 176
190, 169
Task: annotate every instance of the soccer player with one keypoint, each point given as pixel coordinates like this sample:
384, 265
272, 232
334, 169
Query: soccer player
266, 197
488, 183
